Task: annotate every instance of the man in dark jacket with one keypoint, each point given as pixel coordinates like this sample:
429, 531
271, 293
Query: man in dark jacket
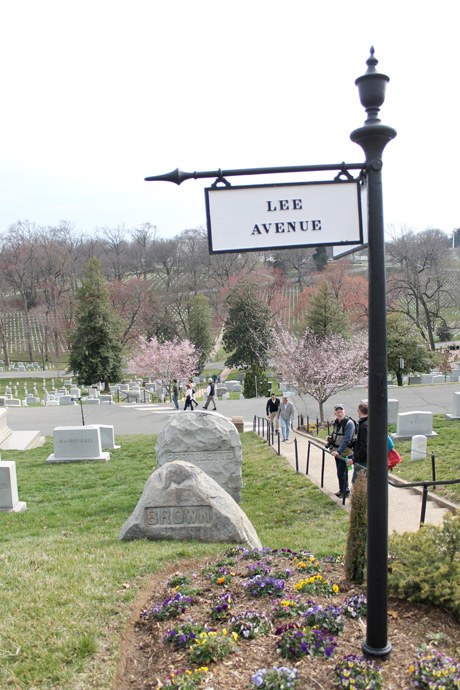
359, 457
273, 405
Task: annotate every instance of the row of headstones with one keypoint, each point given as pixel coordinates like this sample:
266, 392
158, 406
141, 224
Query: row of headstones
71, 444
432, 377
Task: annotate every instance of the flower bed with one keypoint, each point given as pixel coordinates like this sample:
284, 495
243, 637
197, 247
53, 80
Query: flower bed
233, 632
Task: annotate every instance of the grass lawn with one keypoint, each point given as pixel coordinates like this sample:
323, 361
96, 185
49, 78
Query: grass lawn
67, 583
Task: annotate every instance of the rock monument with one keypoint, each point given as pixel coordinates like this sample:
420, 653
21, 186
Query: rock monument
209, 441
182, 502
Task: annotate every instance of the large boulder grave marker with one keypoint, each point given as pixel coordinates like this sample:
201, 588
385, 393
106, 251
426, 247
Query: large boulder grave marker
182, 502
209, 441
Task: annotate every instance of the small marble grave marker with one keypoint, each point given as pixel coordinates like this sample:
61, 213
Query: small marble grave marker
418, 448
107, 436
77, 444
180, 501
9, 488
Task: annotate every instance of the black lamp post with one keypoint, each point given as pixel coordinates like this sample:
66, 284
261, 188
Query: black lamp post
373, 137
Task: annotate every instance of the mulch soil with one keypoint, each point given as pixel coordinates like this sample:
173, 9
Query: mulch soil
146, 660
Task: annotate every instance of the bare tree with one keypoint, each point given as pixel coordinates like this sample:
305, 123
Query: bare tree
418, 279
56, 258
116, 259
142, 249
19, 268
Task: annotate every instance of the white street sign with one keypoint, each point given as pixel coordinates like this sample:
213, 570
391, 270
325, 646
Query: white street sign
309, 214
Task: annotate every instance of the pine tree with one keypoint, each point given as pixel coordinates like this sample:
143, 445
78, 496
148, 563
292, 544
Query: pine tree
96, 348
326, 316
246, 328
200, 320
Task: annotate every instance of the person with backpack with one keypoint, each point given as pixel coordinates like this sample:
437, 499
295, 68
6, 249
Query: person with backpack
359, 457
210, 392
341, 443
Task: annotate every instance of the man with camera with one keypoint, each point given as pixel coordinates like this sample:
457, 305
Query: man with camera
340, 442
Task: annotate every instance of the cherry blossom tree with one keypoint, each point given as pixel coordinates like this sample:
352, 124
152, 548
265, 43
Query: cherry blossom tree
319, 367
165, 361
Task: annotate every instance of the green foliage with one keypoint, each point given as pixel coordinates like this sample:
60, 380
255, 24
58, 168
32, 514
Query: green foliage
425, 565
320, 258
246, 328
403, 341
255, 372
96, 348
355, 556
443, 332
199, 322
325, 315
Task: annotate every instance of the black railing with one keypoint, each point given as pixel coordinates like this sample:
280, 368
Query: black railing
312, 426
264, 427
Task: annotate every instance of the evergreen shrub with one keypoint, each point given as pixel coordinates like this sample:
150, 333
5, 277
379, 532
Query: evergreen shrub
425, 566
355, 556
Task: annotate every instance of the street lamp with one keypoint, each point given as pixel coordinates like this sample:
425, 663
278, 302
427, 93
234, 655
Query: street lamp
373, 137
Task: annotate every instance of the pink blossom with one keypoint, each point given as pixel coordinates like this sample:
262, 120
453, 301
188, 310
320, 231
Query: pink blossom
320, 367
164, 361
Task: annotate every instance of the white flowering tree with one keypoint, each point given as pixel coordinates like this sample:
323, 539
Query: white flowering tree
173, 359
320, 367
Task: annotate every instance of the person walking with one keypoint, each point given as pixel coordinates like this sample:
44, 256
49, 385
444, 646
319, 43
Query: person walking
189, 398
175, 395
210, 392
286, 415
273, 405
339, 441
359, 457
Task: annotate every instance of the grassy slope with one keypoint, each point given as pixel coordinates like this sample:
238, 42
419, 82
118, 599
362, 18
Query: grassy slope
66, 582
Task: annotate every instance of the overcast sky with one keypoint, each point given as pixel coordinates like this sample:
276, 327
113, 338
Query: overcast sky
97, 95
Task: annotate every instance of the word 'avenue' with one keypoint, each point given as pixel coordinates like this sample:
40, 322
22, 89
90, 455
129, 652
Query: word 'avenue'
290, 226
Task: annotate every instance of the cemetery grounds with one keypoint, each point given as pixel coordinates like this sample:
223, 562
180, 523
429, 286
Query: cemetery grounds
71, 594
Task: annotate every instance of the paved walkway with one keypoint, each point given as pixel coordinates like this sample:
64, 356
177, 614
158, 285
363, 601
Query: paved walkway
404, 505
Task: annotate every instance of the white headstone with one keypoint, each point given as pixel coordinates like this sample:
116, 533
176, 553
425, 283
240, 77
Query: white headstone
77, 444
414, 423
9, 488
393, 409
106, 399
418, 448
426, 378
92, 401
107, 436
455, 407
66, 400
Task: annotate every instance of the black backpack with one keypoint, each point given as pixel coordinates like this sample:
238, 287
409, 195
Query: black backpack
355, 433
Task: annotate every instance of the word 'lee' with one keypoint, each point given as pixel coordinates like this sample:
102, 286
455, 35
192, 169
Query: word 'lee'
287, 226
